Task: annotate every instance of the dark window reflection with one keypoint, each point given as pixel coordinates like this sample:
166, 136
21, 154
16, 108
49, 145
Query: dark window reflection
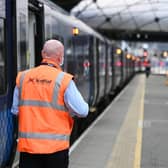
2, 8
2, 58
81, 57
23, 56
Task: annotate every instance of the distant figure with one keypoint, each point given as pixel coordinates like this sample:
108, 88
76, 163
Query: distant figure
166, 67
45, 99
147, 65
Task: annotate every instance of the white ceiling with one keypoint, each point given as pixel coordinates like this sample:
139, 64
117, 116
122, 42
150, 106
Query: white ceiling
141, 15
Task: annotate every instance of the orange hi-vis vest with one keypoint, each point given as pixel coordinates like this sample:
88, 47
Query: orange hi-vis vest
45, 124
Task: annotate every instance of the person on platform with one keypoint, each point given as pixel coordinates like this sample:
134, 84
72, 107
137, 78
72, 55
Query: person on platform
147, 65
45, 100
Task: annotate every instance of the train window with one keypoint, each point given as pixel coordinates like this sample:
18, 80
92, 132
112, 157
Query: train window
2, 59
32, 33
81, 56
2, 8
22, 42
23, 57
48, 22
52, 26
109, 61
102, 59
69, 62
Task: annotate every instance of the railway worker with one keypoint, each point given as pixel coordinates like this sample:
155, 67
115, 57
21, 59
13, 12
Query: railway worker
45, 99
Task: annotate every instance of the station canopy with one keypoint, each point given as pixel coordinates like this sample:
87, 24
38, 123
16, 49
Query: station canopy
125, 18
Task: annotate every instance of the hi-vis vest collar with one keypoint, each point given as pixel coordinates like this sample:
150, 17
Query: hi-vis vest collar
53, 104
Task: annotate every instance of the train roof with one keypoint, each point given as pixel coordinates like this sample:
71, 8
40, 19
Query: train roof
54, 6
71, 20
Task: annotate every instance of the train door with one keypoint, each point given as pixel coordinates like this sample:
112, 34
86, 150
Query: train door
102, 68
109, 69
81, 64
93, 52
28, 36
6, 72
122, 68
113, 68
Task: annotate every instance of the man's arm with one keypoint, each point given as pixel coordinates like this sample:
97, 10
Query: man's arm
75, 102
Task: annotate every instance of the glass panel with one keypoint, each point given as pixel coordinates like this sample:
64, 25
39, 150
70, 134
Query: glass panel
2, 58
22, 35
52, 27
102, 67
32, 34
81, 63
2, 8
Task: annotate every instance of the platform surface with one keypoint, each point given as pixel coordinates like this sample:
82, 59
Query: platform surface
132, 132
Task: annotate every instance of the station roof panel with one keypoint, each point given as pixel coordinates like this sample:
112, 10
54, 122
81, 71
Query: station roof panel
141, 15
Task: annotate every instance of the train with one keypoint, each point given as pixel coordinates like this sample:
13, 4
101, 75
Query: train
100, 66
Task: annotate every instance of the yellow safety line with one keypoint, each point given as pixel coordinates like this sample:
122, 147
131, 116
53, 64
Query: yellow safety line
138, 147
129, 139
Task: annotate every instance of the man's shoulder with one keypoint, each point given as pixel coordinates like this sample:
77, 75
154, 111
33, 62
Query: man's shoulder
69, 75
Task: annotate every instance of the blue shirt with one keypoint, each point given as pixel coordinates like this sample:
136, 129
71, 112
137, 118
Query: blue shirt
72, 97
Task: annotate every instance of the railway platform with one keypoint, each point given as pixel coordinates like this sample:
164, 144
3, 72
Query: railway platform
132, 132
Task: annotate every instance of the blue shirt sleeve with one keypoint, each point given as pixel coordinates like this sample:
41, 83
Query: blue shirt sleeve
14, 109
75, 102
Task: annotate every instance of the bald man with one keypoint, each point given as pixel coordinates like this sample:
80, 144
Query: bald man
53, 50
46, 99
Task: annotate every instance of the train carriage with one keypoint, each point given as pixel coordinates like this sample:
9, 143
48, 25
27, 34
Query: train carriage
92, 59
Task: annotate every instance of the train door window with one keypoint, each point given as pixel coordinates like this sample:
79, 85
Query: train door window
81, 63
2, 58
32, 32
52, 26
69, 67
48, 22
22, 35
2, 8
102, 59
81, 56
102, 66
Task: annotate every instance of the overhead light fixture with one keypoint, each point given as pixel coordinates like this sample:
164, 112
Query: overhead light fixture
128, 56
156, 19
165, 54
94, 1
108, 19
75, 31
40, 5
146, 36
118, 51
138, 35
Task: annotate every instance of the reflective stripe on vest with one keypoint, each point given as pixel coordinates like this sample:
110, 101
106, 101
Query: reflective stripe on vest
53, 104
44, 136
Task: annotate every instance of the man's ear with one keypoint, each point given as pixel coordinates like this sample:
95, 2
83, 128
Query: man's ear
60, 59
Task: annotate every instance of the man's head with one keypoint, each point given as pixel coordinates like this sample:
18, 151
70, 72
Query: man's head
53, 50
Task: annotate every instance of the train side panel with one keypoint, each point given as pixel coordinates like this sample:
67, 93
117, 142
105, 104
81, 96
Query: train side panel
91, 58
6, 83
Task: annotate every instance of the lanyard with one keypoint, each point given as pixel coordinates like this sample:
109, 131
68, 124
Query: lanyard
49, 64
